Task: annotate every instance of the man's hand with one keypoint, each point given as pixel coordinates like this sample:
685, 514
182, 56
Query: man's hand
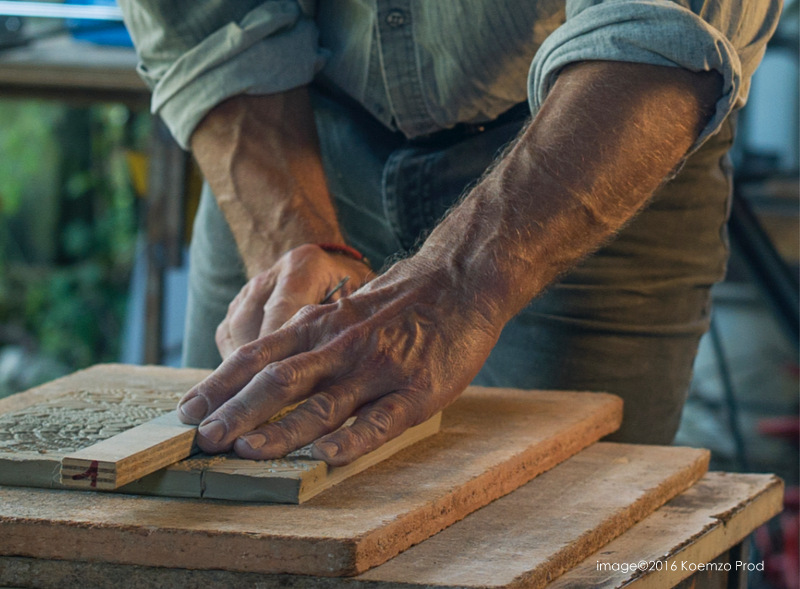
392, 354
303, 276
403, 347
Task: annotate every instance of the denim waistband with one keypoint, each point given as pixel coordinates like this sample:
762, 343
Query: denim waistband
463, 131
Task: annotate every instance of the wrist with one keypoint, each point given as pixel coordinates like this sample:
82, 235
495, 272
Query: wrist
497, 271
448, 283
344, 250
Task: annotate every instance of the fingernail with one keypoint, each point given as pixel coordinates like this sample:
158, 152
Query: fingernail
195, 408
213, 431
329, 449
254, 440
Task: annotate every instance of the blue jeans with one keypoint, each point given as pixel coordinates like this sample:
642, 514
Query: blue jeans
627, 320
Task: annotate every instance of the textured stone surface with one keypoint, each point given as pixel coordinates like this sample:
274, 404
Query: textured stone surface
39, 427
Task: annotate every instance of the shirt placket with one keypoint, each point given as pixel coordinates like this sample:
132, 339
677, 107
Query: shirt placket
399, 67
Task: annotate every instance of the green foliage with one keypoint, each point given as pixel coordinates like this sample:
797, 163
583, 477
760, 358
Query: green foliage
27, 130
74, 313
67, 228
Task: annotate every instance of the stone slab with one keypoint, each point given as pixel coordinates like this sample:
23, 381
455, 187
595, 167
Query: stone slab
99, 425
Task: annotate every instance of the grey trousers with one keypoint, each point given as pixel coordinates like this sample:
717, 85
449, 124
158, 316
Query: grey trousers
627, 320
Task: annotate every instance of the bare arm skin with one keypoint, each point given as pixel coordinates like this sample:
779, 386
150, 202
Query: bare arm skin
407, 343
260, 156
605, 139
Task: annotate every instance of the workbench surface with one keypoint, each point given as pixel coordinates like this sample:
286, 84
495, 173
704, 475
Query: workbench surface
595, 518
696, 527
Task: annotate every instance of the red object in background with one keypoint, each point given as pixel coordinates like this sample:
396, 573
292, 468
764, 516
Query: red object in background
779, 540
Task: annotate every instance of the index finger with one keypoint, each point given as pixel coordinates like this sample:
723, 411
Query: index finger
281, 384
236, 371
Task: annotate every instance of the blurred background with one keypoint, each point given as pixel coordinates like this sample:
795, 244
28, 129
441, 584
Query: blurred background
96, 204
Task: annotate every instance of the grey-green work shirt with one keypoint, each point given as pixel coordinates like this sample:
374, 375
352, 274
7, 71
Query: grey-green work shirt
420, 66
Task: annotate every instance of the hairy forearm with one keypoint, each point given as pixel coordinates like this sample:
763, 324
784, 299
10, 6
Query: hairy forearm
606, 138
260, 155
403, 346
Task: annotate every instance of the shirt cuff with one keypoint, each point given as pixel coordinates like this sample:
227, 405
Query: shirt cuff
656, 32
265, 53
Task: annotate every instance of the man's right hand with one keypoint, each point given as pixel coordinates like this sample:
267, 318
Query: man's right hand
302, 276
261, 157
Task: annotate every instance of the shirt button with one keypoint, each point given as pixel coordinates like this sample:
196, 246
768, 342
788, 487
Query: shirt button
396, 18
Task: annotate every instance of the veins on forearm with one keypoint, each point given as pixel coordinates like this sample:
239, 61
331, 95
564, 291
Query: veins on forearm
577, 174
261, 158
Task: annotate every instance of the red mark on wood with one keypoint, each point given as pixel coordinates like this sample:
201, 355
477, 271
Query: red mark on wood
91, 473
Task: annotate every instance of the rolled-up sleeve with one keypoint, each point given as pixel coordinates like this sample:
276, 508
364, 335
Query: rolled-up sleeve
726, 36
194, 54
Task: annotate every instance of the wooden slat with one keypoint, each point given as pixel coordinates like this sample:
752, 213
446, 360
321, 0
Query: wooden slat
130, 455
62, 63
720, 511
294, 479
553, 523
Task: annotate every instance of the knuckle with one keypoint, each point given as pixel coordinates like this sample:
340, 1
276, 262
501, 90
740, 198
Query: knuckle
384, 357
380, 421
280, 306
250, 354
288, 434
281, 442
303, 321
307, 313
302, 252
261, 281
321, 407
214, 390
236, 413
395, 412
279, 374
221, 334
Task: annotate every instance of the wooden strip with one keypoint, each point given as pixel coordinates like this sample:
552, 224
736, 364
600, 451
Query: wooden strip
130, 455
63, 63
29, 469
248, 480
294, 479
491, 442
41, 426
